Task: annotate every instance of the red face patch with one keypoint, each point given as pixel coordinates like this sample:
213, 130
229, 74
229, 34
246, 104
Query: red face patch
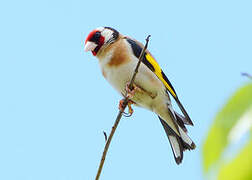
91, 34
96, 37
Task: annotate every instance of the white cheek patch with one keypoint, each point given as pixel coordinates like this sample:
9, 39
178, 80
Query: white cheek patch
107, 34
100, 29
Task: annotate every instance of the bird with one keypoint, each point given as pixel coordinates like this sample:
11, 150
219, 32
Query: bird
118, 56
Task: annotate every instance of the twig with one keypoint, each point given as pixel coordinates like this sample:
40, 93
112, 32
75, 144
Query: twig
120, 113
139, 62
105, 136
246, 74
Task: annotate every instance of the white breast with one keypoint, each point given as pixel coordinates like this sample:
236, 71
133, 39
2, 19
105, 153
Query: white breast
118, 76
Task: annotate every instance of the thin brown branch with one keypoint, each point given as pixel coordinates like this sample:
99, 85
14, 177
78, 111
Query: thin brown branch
247, 74
139, 62
120, 113
105, 136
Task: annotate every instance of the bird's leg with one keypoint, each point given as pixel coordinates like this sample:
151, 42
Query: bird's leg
130, 112
121, 102
131, 92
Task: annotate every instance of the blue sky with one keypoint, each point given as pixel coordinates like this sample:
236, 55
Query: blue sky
55, 104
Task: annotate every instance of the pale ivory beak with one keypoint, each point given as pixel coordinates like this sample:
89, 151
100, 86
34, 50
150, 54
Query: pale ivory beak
90, 46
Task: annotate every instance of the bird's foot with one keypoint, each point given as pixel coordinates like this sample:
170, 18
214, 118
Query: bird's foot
131, 92
130, 111
122, 107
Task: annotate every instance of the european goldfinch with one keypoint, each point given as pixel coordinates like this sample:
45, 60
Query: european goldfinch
118, 57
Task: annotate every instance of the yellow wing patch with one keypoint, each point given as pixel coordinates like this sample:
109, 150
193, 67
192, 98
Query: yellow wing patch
158, 72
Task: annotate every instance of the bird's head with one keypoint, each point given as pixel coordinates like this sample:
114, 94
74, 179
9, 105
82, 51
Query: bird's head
100, 38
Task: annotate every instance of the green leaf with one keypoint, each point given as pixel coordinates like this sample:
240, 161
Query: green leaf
240, 167
217, 139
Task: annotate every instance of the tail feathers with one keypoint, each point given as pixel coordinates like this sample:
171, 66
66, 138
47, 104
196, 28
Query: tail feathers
183, 131
175, 142
182, 121
187, 118
187, 142
182, 118
178, 144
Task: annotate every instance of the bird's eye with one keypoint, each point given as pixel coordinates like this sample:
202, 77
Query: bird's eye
96, 36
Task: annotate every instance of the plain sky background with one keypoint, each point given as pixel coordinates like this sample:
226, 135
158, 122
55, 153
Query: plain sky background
55, 104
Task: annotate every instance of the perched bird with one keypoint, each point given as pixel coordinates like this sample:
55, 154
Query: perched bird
118, 57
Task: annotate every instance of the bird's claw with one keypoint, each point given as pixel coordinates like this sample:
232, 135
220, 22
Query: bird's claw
131, 92
121, 108
130, 109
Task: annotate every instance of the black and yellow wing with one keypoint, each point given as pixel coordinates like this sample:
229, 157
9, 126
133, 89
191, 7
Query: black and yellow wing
152, 64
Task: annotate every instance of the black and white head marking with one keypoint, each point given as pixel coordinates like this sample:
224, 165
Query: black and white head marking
109, 34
